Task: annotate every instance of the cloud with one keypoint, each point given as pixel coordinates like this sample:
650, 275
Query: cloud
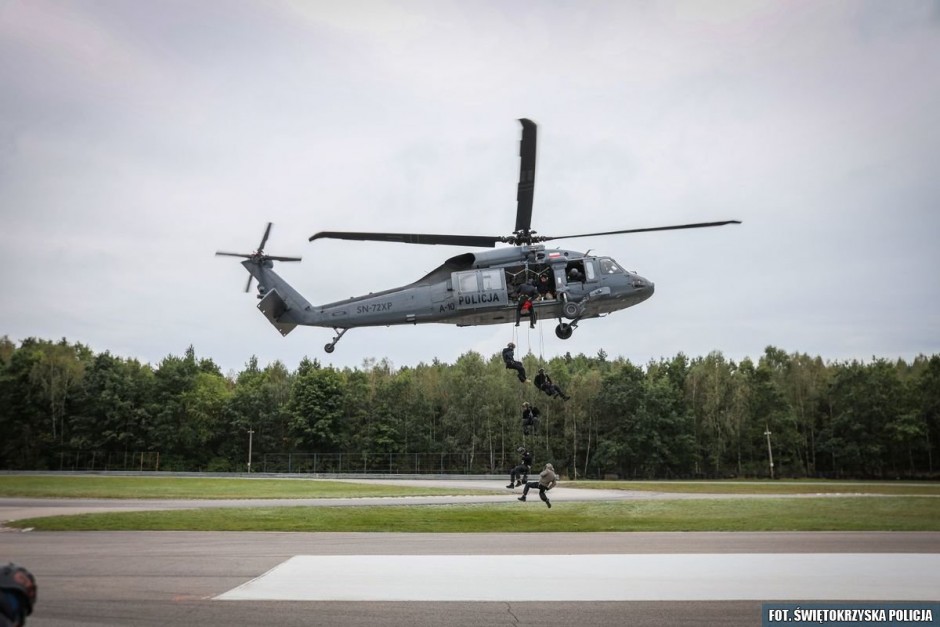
135, 140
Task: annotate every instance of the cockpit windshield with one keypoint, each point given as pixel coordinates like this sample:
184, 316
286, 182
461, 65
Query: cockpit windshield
609, 266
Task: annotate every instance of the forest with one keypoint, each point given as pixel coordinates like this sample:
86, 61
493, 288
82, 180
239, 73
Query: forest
785, 415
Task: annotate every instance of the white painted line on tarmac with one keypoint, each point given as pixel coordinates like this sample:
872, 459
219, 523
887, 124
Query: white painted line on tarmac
640, 577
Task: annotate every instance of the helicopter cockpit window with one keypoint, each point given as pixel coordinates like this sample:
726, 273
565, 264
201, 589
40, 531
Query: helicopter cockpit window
609, 266
467, 282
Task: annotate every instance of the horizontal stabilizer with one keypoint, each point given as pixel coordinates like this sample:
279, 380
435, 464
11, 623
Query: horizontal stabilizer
273, 307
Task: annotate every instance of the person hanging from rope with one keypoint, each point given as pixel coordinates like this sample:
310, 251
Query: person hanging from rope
520, 474
526, 308
544, 382
547, 480
527, 294
509, 358
530, 418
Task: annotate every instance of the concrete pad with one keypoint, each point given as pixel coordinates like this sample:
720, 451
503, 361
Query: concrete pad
622, 577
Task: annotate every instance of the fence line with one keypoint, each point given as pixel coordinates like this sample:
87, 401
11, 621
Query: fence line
327, 463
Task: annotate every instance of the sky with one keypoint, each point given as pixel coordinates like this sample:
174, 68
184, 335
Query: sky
137, 138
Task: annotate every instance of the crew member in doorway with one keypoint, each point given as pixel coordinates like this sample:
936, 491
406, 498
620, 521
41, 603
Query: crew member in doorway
509, 358
528, 289
545, 288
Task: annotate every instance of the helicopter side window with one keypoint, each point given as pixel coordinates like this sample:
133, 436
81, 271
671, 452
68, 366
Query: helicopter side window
492, 279
589, 270
467, 282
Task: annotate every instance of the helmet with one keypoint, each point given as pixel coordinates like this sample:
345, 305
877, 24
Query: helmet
511, 345
541, 369
19, 580
521, 449
525, 404
550, 467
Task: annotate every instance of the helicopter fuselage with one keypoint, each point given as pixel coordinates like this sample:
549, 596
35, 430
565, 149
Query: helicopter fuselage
469, 289
473, 288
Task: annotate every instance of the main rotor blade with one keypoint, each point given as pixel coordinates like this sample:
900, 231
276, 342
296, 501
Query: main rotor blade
248, 284
697, 225
526, 190
264, 240
273, 258
476, 241
220, 253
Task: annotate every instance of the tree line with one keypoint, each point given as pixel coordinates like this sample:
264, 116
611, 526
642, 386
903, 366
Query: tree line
62, 406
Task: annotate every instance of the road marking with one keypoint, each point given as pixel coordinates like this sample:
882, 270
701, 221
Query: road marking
644, 577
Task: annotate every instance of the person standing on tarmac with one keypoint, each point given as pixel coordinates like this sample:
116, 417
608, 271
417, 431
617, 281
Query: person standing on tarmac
520, 474
547, 480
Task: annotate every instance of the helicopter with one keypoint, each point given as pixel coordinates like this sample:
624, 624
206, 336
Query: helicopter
472, 288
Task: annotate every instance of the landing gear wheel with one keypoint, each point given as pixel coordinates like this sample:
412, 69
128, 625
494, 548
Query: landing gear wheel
340, 332
564, 331
571, 311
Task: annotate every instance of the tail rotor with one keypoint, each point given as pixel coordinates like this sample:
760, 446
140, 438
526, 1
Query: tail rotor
258, 257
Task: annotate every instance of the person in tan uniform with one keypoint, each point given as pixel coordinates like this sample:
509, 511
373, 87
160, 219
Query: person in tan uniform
547, 480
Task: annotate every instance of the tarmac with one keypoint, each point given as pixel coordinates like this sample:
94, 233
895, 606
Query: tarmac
521, 578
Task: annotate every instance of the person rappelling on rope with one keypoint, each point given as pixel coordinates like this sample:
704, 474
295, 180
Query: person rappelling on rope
525, 307
544, 382
520, 474
530, 418
509, 358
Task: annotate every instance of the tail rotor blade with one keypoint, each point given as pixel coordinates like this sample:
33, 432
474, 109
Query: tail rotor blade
257, 258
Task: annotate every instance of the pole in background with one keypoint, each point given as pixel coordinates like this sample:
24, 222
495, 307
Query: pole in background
770, 452
250, 433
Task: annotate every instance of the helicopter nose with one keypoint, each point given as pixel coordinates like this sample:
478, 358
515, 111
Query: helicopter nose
644, 287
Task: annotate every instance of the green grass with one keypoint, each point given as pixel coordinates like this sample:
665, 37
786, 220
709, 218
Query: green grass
758, 514
900, 507
98, 487
807, 486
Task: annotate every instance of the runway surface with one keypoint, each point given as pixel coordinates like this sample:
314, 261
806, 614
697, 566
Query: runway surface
655, 579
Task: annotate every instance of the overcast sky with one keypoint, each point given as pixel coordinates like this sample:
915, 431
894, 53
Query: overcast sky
137, 138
